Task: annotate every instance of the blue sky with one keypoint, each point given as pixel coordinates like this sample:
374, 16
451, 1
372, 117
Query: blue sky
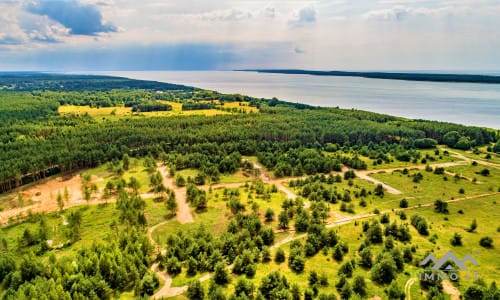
222, 34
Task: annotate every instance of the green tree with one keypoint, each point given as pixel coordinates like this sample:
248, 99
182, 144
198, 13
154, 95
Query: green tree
366, 258
359, 285
180, 181
394, 292
385, 270
126, 161
283, 220
279, 256
221, 276
441, 206
60, 202
171, 204
269, 215
473, 226
74, 225
195, 291
456, 240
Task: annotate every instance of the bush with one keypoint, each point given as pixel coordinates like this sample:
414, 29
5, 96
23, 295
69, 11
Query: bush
441, 206
403, 203
420, 224
439, 170
456, 240
394, 292
359, 285
296, 261
486, 242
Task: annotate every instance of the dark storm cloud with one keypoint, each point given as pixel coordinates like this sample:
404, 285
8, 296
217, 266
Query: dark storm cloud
79, 18
189, 56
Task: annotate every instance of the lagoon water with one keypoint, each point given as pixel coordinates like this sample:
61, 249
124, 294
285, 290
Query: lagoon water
464, 103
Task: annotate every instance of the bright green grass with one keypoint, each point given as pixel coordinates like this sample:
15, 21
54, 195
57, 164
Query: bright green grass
431, 187
495, 158
140, 173
214, 219
248, 196
95, 226
238, 177
187, 173
96, 221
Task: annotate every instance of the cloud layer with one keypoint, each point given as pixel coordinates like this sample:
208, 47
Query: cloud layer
224, 34
79, 18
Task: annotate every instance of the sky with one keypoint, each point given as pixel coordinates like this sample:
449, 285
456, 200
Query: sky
80, 35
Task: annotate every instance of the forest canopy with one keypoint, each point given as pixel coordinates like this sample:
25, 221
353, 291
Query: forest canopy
36, 141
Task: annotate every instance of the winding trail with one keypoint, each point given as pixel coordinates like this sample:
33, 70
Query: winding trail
408, 285
184, 211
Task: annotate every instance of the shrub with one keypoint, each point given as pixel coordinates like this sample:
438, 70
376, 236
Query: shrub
486, 242
456, 240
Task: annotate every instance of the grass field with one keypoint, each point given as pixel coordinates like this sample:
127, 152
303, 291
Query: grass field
97, 220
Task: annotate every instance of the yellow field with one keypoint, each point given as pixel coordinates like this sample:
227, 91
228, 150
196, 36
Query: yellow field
241, 106
116, 112
176, 106
203, 112
95, 112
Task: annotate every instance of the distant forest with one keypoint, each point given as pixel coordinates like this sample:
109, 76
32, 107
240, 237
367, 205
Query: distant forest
465, 78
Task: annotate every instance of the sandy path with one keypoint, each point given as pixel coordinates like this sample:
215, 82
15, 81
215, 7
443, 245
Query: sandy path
470, 160
184, 212
450, 289
167, 290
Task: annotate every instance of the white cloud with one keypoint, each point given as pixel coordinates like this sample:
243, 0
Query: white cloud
21, 28
305, 15
227, 15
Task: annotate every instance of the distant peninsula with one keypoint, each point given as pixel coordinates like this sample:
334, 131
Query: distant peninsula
434, 77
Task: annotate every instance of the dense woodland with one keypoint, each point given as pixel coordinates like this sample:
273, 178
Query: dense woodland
35, 141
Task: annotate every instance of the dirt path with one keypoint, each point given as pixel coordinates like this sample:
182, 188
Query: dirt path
451, 290
469, 160
184, 212
408, 285
167, 290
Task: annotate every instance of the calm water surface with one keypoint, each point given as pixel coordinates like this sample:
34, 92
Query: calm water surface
465, 103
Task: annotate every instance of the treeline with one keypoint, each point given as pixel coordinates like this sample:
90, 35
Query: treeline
127, 98
396, 75
20, 81
151, 106
192, 105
